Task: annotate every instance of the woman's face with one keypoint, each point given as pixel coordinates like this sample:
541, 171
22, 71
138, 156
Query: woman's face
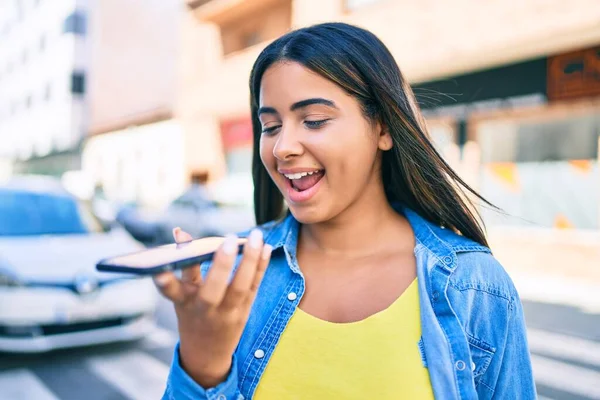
319, 149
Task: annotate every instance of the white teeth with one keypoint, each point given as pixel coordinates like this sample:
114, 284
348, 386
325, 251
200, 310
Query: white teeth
299, 175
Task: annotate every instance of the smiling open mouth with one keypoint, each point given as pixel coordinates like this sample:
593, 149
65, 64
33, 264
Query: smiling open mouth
305, 180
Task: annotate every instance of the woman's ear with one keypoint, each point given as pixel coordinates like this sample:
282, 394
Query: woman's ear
385, 139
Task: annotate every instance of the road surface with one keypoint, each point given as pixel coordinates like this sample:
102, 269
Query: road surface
565, 344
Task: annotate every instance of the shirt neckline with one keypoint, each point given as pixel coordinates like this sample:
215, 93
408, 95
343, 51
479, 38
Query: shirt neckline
376, 316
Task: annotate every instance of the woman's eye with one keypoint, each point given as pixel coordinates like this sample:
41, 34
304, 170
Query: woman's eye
315, 124
270, 129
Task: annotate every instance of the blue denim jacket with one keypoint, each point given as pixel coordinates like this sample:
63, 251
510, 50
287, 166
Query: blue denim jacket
473, 343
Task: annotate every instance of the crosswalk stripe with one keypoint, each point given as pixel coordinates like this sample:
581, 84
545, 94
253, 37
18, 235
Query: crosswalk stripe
566, 377
160, 338
21, 384
138, 375
569, 347
135, 374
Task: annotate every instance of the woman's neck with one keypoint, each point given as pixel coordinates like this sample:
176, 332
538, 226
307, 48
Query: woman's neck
367, 226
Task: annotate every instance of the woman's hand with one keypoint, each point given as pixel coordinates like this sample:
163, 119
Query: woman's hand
211, 314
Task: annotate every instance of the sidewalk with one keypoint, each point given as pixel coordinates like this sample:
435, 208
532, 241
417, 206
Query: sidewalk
551, 266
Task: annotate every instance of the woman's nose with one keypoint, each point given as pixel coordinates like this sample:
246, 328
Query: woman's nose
287, 145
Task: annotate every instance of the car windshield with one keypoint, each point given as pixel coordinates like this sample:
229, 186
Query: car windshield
28, 213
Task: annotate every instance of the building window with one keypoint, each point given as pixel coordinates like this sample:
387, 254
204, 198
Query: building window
256, 27
42, 43
78, 83
251, 39
75, 23
24, 57
537, 141
28, 101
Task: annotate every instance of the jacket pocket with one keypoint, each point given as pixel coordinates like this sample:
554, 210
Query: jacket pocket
481, 356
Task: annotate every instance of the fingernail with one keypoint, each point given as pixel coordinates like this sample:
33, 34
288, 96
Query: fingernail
266, 252
160, 280
255, 238
230, 245
176, 232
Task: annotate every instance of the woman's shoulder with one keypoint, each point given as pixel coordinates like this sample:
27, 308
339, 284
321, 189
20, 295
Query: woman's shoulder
479, 272
475, 265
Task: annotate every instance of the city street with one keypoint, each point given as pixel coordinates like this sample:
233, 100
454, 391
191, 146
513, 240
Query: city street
565, 344
123, 120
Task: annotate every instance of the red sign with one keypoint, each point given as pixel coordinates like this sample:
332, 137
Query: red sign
574, 75
236, 133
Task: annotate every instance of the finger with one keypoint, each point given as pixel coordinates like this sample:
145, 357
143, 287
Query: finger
188, 274
169, 286
242, 281
265, 258
218, 275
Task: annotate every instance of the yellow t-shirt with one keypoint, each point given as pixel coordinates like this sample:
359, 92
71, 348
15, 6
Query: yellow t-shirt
376, 358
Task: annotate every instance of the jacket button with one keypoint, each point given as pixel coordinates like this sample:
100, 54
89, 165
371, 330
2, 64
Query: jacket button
292, 296
460, 365
221, 397
448, 260
435, 295
472, 366
259, 354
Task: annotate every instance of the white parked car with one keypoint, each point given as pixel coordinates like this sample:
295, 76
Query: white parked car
51, 295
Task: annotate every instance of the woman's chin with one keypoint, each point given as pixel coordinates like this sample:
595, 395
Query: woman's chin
309, 215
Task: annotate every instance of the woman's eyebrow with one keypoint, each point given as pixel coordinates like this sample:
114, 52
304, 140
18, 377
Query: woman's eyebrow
266, 110
309, 102
299, 104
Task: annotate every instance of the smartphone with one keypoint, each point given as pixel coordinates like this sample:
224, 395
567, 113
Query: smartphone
165, 258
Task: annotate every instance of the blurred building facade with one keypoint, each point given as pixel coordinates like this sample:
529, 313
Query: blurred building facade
134, 151
89, 85
510, 91
534, 127
44, 62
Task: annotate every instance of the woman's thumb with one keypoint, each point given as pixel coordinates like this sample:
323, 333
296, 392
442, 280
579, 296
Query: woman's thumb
181, 236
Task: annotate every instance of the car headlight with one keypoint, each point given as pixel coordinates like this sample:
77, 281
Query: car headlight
8, 279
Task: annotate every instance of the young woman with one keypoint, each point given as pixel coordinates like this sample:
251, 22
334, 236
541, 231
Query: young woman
376, 282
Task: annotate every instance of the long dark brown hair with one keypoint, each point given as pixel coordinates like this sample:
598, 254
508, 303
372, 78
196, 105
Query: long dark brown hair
413, 172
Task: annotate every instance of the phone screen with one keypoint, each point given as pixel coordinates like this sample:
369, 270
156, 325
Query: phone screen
167, 254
